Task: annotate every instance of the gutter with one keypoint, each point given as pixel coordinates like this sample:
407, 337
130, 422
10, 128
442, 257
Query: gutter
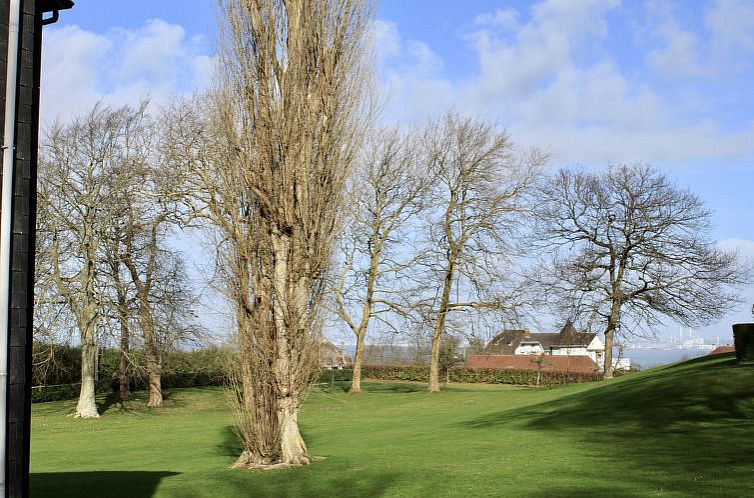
9, 149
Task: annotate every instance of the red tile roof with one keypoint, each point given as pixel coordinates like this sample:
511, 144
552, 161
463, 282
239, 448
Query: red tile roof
556, 363
723, 349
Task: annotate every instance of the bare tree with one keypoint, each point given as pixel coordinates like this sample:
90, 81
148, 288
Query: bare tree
76, 161
146, 209
386, 194
631, 247
53, 323
267, 163
122, 304
479, 199
126, 184
147, 278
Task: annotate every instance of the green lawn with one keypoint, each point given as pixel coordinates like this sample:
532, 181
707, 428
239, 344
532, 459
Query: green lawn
682, 430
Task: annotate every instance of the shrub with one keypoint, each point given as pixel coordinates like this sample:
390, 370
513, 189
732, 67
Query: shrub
334, 375
202, 367
519, 377
41, 394
477, 375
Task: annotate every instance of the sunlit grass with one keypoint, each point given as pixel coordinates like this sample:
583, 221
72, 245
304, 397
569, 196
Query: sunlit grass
682, 430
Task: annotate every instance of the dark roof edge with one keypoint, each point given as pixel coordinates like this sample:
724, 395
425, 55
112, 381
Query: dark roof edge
53, 5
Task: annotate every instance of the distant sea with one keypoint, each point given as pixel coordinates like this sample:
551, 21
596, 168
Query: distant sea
654, 357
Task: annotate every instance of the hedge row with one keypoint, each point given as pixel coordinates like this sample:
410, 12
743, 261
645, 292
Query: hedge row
207, 367
467, 375
521, 377
204, 367
41, 394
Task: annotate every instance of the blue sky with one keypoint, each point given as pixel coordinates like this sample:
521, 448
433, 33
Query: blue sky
593, 82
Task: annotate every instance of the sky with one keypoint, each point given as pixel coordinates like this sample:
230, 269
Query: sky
592, 82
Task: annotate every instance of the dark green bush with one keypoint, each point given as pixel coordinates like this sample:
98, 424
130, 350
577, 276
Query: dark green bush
334, 375
41, 394
743, 335
519, 377
203, 367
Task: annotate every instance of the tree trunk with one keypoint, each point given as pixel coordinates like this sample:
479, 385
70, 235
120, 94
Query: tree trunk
357, 359
285, 374
153, 370
434, 362
124, 364
366, 314
124, 375
608, 369
87, 406
292, 446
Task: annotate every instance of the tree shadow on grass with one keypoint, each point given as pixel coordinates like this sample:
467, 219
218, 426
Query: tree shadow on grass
312, 482
331, 478
336, 387
711, 390
694, 421
107, 401
136, 403
394, 387
231, 447
96, 484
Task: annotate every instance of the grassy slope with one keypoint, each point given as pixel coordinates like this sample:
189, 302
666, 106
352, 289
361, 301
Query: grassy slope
683, 430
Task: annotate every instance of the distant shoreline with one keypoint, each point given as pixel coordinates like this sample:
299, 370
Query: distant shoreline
654, 357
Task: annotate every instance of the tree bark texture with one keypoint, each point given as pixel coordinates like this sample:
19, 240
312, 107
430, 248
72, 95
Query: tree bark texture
87, 405
434, 364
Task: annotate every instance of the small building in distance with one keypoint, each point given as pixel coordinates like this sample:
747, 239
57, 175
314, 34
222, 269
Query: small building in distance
567, 342
332, 357
587, 348
722, 350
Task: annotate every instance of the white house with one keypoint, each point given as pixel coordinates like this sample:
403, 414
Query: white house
567, 342
595, 349
528, 348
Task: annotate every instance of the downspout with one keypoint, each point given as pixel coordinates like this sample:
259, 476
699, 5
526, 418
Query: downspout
9, 141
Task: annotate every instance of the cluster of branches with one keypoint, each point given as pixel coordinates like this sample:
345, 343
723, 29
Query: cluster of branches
431, 231
104, 269
626, 248
441, 223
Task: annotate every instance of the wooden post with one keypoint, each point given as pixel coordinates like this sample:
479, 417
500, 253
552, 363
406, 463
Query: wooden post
20, 329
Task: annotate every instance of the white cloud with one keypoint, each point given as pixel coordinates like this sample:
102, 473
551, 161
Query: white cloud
732, 25
386, 39
119, 66
411, 74
539, 50
504, 18
722, 46
551, 79
70, 75
680, 54
744, 248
